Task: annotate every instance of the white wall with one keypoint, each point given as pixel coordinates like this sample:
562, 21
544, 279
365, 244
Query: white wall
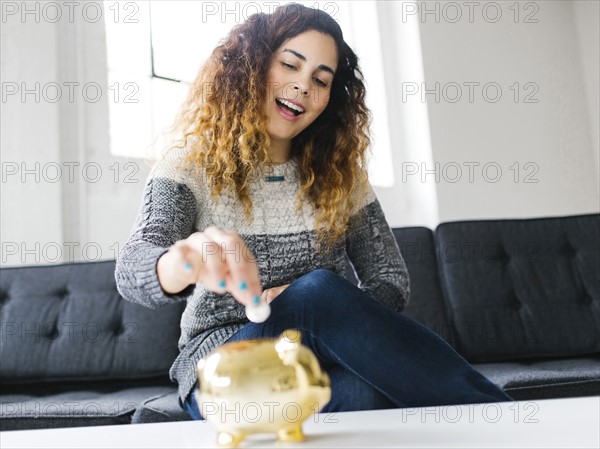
560, 133
555, 134
31, 211
61, 216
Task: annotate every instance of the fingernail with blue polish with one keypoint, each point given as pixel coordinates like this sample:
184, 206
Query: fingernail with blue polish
243, 285
187, 266
256, 300
222, 283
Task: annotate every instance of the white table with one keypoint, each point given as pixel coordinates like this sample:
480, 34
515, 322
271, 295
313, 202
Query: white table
556, 423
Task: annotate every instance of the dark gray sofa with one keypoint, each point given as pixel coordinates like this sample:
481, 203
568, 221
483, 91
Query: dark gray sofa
520, 299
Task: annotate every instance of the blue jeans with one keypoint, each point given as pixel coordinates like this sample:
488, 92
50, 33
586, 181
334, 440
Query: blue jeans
376, 358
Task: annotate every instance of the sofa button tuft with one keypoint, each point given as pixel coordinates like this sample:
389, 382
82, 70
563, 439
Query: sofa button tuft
52, 332
502, 256
567, 249
516, 303
62, 292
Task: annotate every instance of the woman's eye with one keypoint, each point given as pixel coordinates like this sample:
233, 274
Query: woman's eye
293, 67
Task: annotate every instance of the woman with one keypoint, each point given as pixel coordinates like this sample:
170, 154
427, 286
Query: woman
261, 201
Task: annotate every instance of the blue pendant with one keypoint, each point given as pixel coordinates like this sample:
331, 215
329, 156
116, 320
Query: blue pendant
274, 178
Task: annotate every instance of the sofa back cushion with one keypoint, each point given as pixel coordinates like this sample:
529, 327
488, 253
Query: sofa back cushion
425, 303
67, 321
522, 288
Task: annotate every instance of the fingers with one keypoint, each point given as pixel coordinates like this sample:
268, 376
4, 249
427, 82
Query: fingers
187, 261
221, 261
207, 265
174, 271
230, 256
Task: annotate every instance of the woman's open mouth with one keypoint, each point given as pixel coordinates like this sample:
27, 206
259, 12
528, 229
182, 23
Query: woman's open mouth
288, 110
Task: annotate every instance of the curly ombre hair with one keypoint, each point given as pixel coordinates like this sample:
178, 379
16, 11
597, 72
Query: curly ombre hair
224, 125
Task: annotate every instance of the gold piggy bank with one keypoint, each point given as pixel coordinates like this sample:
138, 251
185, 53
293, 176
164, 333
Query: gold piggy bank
258, 386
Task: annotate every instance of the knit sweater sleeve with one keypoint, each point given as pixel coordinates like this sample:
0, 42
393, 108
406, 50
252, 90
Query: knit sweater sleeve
375, 256
167, 213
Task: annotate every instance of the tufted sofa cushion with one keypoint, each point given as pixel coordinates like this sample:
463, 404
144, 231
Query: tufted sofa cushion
68, 322
73, 404
545, 378
522, 288
162, 407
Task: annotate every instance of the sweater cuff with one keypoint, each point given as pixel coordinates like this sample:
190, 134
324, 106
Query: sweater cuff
147, 280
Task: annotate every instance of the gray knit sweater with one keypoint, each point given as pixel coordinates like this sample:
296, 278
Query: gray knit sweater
177, 203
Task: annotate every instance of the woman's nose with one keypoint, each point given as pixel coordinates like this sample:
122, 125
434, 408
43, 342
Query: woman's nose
301, 87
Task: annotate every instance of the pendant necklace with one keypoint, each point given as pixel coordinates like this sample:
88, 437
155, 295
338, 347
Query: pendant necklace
271, 177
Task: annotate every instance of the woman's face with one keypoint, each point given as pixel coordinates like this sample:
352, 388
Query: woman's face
300, 77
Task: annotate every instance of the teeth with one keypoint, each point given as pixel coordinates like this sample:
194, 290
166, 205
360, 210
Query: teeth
291, 105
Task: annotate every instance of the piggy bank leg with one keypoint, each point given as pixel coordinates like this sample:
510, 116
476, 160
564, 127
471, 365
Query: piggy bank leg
290, 434
229, 439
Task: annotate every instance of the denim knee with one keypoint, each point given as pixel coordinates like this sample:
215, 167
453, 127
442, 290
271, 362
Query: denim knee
319, 283
318, 278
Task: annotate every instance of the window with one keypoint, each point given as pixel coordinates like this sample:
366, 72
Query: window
152, 61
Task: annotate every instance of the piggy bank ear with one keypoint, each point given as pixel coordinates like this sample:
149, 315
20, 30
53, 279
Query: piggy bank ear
288, 345
292, 336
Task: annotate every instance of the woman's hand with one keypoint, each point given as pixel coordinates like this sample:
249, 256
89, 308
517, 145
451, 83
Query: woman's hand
271, 293
218, 259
